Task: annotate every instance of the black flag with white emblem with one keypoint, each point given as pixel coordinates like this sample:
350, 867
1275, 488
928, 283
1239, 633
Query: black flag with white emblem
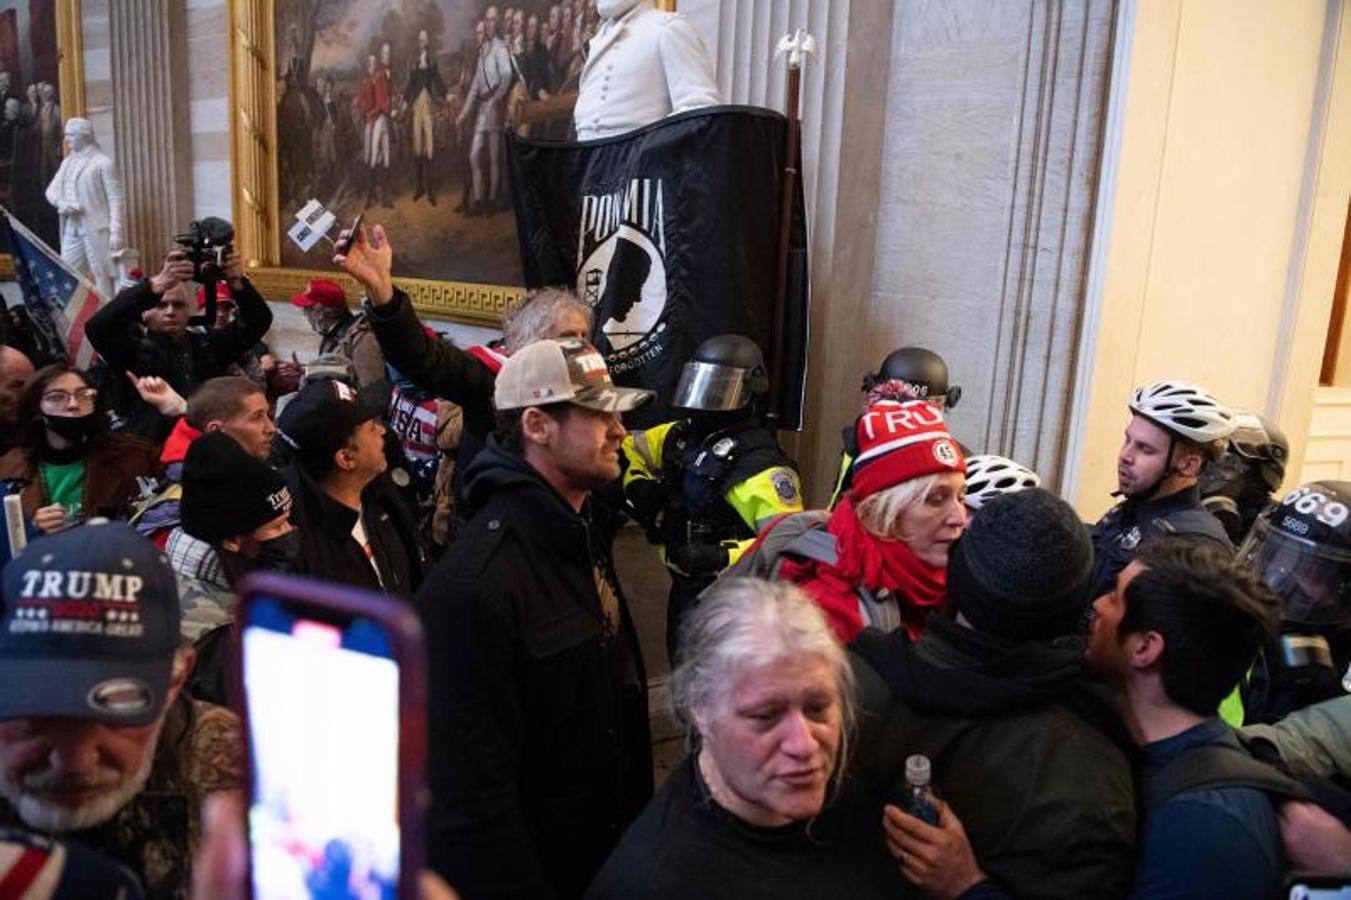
670, 233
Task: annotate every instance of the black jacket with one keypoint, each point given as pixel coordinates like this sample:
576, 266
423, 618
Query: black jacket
444, 370
328, 550
685, 845
1020, 747
539, 752
116, 332
1118, 534
436, 366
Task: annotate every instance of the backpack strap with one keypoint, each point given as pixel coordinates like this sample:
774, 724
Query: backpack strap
1217, 766
816, 544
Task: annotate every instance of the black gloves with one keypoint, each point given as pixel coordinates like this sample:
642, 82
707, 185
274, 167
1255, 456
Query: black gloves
697, 560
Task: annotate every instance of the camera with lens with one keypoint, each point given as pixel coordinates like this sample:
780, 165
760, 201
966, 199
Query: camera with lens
207, 242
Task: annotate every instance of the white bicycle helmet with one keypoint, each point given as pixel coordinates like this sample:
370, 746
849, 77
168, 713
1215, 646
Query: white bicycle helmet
1184, 409
989, 476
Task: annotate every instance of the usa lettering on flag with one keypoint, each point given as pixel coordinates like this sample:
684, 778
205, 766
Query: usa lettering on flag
59, 301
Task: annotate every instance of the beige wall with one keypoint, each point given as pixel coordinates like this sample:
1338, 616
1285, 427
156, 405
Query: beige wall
1221, 252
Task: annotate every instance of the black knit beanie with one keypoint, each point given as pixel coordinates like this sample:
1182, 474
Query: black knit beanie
227, 492
1023, 568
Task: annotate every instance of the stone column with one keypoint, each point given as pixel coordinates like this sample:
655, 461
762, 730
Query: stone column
150, 104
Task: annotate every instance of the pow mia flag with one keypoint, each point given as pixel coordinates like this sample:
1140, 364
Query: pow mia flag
670, 232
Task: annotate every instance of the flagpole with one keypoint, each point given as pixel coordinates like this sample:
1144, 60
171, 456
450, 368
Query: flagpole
797, 46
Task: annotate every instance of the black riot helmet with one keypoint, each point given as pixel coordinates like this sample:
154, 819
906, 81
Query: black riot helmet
1239, 485
1301, 547
727, 373
1259, 441
921, 372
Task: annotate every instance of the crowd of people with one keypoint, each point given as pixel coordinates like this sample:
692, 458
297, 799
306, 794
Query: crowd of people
944, 684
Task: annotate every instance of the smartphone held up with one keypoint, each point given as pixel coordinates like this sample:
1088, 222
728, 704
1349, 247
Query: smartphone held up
332, 693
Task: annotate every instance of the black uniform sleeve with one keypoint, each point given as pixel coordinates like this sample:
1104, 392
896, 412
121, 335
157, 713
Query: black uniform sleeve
252, 320
112, 331
476, 832
436, 366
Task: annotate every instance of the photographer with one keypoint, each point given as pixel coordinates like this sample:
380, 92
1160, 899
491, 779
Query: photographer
144, 330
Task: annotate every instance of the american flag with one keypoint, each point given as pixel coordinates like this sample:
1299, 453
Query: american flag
59, 301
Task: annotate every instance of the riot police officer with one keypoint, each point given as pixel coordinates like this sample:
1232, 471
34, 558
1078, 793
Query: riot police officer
908, 373
1238, 487
1302, 549
703, 486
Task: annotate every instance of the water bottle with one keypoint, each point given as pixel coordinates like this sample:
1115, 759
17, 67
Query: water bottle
921, 802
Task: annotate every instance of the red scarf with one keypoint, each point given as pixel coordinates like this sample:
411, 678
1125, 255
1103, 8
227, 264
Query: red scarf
875, 563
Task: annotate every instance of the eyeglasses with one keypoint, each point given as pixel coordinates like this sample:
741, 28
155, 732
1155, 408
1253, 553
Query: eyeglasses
59, 399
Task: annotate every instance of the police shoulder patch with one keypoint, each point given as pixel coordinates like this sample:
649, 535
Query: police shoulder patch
785, 485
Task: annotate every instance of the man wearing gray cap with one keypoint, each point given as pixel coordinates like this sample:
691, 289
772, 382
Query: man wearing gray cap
538, 746
98, 743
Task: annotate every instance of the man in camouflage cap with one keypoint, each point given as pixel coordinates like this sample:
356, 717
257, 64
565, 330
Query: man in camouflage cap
98, 742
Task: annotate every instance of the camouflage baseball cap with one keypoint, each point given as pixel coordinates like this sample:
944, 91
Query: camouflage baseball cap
566, 371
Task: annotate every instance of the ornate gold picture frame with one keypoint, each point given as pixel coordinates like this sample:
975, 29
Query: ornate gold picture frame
70, 78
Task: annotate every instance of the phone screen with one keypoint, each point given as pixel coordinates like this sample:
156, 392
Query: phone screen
323, 713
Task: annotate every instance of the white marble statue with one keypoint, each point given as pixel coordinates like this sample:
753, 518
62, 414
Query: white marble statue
642, 65
88, 196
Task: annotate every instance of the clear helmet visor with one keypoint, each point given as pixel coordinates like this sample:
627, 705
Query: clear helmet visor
1313, 581
711, 387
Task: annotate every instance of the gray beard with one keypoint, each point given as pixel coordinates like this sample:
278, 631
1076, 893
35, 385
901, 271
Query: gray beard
55, 819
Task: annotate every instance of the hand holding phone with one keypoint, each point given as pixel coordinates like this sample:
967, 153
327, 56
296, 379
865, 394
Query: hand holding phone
333, 697
348, 237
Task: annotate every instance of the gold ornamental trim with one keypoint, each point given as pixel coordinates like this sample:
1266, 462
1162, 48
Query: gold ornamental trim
460, 301
70, 72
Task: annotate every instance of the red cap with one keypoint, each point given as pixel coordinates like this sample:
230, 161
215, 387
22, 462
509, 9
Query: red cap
328, 294
222, 293
901, 441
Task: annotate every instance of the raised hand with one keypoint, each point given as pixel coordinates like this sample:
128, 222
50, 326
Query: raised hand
369, 260
159, 394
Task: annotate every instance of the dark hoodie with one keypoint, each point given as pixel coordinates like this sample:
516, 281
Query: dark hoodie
539, 753
1019, 746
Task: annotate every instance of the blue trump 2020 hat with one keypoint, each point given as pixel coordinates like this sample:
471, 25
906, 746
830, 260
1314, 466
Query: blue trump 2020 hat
88, 627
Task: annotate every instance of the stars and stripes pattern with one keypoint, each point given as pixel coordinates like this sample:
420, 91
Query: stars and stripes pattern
59, 301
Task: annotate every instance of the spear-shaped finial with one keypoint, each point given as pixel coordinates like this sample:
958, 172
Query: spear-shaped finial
799, 45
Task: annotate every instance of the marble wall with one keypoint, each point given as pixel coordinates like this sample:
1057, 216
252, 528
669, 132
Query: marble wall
951, 150
993, 123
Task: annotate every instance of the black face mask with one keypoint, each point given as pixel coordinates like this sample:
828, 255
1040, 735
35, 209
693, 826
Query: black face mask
279, 553
76, 429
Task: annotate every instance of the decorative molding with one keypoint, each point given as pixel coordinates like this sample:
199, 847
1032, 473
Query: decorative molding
1067, 64
1104, 208
1313, 164
70, 57
467, 302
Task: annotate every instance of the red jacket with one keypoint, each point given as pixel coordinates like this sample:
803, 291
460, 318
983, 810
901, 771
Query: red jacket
373, 94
